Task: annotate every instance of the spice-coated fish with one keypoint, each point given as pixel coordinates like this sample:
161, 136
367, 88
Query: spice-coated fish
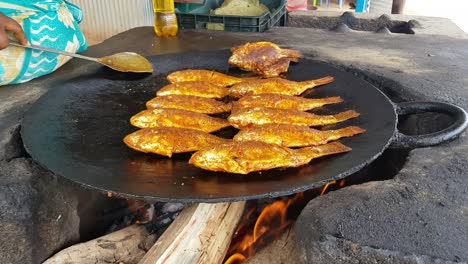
189, 103
195, 88
285, 101
247, 156
263, 58
177, 118
294, 136
246, 117
168, 140
276, 86
213, 77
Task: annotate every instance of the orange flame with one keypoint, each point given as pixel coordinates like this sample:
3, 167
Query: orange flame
324, 189
271, 222
273, 212
237, 257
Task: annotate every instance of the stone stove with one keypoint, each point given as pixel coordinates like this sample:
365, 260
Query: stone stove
418, 215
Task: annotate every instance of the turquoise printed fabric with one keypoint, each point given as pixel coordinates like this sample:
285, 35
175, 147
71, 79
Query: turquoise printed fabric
49, 23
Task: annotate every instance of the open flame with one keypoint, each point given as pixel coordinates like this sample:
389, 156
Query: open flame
270, 223
325, 187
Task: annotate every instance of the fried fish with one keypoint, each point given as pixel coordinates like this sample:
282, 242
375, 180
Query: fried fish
168, 140
245, 117
285, 101
276, 86
248, 156
213, 77
194, 88
294, 136
263, 58
189, 103
161, 117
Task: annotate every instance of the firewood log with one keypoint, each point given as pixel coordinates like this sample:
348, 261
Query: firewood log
127, 246
201, 233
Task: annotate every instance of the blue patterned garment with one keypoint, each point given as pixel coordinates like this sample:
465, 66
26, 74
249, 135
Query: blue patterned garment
48, 23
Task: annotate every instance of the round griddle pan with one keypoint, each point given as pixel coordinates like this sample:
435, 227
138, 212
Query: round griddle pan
76, 131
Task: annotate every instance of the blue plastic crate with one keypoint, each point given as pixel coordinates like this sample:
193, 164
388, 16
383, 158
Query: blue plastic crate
197, 16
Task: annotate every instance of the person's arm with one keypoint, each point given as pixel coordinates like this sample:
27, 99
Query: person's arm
8, 24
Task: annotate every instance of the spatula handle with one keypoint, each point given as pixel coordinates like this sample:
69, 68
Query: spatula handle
13, 43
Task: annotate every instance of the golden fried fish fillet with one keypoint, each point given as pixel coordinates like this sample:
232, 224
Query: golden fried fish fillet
169, 140
263, 58
294, 136
195, 88
275, 86
161, 117
213, 77
246, 117
190, 103
285, 101
247, 156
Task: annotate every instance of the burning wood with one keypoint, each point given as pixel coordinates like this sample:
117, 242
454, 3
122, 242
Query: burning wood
200, 234
271, 223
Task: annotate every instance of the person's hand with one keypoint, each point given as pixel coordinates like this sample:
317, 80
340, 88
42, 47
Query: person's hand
8, 24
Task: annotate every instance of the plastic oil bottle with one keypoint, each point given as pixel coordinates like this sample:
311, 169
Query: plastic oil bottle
165, 20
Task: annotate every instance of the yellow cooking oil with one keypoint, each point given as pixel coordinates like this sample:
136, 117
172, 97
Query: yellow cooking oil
165, 20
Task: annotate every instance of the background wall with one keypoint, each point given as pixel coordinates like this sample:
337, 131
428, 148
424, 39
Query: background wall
105, 18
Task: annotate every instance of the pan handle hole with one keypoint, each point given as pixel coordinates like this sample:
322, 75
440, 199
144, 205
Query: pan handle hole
424, 123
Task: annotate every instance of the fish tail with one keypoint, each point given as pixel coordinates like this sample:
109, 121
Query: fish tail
346, 115
333, 100
324, 80
314, 83
310, 153
293, 55
349, 131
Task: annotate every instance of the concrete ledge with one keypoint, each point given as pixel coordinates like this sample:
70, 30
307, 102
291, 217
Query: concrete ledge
370, 22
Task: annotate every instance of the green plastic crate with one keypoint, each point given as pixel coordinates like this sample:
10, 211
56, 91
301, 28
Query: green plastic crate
197, 16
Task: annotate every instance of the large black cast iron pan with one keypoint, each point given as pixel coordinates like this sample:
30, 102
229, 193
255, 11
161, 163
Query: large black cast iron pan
76, 131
